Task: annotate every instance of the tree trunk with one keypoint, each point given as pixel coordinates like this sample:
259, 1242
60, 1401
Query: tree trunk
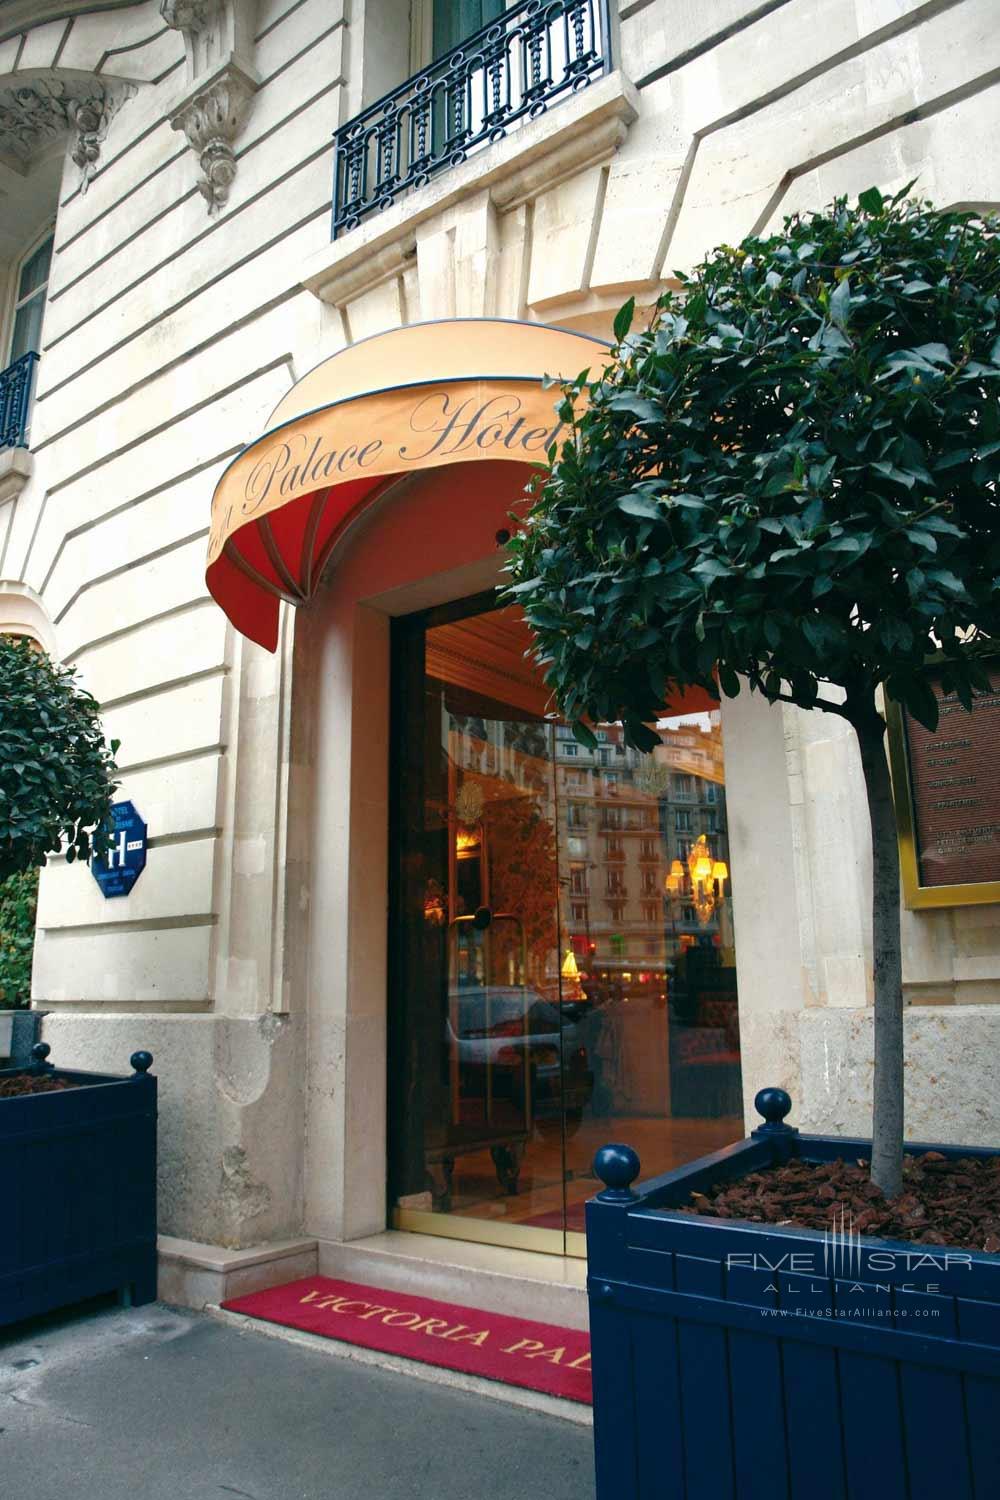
887, 1124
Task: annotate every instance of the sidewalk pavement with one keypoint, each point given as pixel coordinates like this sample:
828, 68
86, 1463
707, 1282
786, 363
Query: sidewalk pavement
160, 1404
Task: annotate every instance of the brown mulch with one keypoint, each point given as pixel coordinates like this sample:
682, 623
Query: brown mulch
943, 1202
34, 1083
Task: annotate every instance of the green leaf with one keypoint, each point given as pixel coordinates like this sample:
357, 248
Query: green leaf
850, 543
871, 201
941, 526
921, 702
623, 319
947, 579
840, 302
638, 406
952, 460
898, 476
638, 505
695, 308
935, 354
821, 633
921, 538
584, 735
640, 735
896, 633
729, 681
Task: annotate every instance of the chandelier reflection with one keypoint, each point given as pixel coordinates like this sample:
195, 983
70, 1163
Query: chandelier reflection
702, 885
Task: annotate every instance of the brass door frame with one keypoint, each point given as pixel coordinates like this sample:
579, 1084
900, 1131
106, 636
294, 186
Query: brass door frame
406, 691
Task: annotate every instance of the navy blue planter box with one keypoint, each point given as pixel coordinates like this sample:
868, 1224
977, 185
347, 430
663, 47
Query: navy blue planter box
739, 1361
77, 1190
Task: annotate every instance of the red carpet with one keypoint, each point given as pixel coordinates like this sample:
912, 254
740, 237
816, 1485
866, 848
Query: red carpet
513, 1350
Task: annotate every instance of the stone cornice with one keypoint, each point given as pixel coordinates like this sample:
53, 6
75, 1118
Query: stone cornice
580, 132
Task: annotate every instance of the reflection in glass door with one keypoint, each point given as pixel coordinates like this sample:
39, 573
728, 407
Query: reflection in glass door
562, 962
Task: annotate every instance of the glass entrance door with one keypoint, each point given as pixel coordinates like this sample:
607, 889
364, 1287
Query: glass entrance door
555, 982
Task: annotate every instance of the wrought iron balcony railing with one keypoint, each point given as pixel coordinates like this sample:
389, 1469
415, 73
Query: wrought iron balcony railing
536, 53
16, 384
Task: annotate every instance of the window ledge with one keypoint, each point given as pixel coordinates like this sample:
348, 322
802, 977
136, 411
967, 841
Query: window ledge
15, 471
579, 132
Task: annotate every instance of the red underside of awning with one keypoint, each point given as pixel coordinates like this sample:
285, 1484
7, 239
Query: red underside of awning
282, 556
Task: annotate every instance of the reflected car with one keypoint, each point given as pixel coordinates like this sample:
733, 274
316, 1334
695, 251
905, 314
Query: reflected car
508, 1029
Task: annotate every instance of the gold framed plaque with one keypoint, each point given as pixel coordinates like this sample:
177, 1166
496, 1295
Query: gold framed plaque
946, 786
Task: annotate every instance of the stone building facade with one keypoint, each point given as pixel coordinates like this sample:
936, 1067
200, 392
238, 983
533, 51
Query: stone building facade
174, 165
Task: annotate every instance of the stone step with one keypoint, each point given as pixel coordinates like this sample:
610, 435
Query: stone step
521, 1283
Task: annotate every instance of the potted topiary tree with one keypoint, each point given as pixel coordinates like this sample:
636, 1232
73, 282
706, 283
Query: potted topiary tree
788, 483
56, 785
78, 1149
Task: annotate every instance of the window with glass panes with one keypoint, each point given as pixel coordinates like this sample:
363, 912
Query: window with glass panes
454, 20
29, 306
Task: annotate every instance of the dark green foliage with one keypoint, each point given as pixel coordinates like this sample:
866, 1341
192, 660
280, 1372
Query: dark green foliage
56, 771
789, 479
792, 476
18, 899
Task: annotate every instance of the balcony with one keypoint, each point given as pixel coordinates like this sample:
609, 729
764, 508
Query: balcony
16, 384
538, 53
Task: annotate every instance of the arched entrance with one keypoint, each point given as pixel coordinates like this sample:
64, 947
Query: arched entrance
497, 972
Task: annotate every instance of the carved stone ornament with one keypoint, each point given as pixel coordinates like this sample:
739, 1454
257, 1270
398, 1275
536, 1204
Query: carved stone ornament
91, 119
39, 112
212, 119
188, 15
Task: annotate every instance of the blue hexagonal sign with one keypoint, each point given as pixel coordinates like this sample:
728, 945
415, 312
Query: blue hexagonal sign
117, 871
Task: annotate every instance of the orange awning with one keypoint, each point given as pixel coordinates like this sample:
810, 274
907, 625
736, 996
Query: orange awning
415, 398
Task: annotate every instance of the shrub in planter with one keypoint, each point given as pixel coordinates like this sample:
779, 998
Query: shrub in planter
788, 483
56, 785
56, 769
79, 1185
736, 1359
